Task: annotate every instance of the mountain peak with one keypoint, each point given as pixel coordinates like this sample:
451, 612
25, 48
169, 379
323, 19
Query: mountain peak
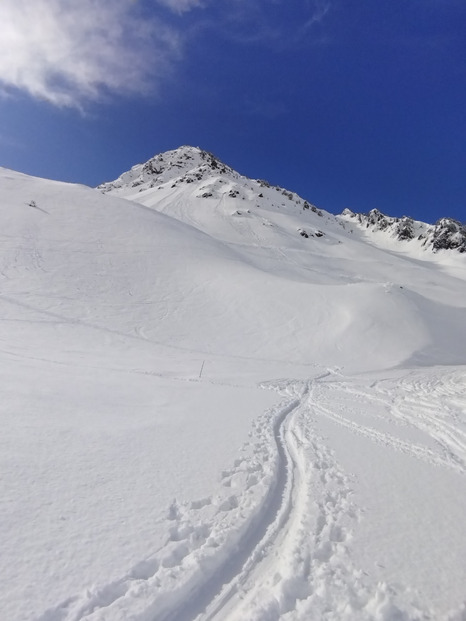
177, 177
190, 173
185, 163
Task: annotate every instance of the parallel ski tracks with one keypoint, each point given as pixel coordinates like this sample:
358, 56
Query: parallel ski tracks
434, 405
215, 597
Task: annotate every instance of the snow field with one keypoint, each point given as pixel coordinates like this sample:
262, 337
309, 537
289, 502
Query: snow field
138, 351
203, 536
401, 432
276, 542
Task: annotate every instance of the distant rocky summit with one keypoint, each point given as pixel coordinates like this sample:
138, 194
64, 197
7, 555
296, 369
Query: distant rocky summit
445, 234
183, 165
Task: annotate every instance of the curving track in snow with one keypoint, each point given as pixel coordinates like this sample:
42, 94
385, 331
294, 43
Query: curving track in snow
275, 542
208, 540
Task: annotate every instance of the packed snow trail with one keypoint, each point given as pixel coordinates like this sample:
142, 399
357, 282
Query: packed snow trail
274, 513
275, 544
302, 568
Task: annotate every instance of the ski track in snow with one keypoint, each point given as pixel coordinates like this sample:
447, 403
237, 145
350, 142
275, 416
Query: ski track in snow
275, 543
432, 402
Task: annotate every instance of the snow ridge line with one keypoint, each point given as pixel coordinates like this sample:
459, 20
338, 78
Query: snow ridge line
208, 539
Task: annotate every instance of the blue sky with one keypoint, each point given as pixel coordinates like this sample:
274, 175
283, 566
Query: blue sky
350, 103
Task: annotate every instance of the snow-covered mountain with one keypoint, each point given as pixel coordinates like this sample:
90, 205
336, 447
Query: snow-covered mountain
445, 234
194, 186
220, 402
209, 178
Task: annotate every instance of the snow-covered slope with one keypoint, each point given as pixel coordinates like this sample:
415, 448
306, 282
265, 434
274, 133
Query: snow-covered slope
359, 288
154, 467
193, 186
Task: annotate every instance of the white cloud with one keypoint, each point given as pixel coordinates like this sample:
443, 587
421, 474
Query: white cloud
72, 52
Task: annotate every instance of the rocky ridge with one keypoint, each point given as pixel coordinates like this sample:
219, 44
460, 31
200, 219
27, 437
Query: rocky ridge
182, 165
204, 176
210, 178
187, 165
445, 234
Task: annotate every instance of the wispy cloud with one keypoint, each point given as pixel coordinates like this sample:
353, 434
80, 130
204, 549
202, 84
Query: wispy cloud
182, 6
317, 12
280, 24
71, 52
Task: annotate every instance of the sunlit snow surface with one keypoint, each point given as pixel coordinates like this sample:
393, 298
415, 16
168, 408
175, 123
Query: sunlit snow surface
207, 415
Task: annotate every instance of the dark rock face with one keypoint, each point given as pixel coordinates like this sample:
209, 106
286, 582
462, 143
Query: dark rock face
377, 219
402, 228
449, 234
405, 228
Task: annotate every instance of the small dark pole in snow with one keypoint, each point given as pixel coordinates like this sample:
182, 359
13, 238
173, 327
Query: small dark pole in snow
202, 368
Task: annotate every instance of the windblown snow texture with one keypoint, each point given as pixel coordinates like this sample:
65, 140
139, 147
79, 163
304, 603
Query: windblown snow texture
221, 402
